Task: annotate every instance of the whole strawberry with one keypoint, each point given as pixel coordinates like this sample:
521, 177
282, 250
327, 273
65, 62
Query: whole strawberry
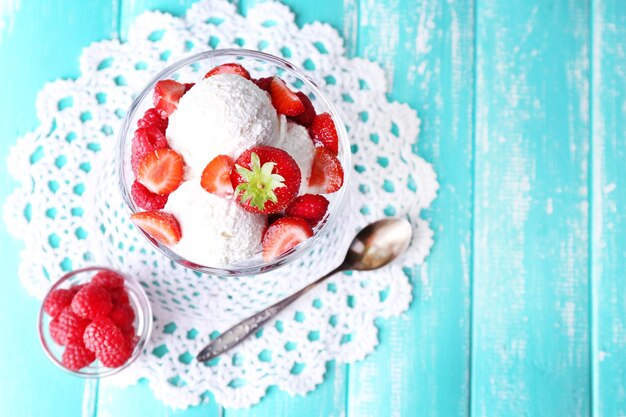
265, 179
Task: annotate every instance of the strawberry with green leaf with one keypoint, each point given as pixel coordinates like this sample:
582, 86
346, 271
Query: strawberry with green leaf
265, 179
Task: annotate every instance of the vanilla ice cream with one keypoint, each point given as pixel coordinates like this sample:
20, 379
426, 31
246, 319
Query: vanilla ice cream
215, 231
221, 115
295, 140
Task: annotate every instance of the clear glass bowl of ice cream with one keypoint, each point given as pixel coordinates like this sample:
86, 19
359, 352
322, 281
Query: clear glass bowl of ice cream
226, 115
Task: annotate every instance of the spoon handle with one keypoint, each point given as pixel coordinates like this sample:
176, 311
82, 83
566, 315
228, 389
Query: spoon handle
239, 332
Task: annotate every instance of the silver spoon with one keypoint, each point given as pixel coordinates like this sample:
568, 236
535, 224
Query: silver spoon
373, 247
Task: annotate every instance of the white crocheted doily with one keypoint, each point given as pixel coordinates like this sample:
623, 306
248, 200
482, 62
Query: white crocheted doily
69, 213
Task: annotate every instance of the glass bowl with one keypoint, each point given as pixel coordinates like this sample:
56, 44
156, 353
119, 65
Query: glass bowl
143, 322
259, 64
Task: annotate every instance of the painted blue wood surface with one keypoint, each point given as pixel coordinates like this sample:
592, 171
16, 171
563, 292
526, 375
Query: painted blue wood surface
520, 308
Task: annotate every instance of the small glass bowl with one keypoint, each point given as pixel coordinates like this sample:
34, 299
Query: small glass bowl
143, 322
259, 64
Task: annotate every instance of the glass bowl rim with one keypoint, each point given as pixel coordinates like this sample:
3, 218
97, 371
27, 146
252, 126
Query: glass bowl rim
340, 195
144, 338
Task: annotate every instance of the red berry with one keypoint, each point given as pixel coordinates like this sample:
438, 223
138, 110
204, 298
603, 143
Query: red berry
76, 356
56, 301
119, 296
188, 86
229, 68
326, 173
265, 179
310, 207
130, 337
92, 301
306, 117
67, 327
264, 83
153, 118
160, 225
161, 171
324, 133
108, 279
146, 140
283, 235
122, 315
216, 176
115, 358
146, 199
103, 335
284, 100
166, 96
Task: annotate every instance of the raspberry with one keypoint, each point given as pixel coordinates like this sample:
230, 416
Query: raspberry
108, 279
152, 117
130, 337
92, 301
102, 335
56, 301
67, 328
76, 356
114, 358
119, 296
145, 198
122, 315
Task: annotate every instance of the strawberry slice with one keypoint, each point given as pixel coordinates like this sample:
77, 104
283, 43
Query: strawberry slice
284, 100
265, 179
264, 83
152, 118
324, 133
283, 235
306, 117
159, 225
229, 68
166, 96
145, 199
310, 207
146, 140
216, 176
326, 174
161, 171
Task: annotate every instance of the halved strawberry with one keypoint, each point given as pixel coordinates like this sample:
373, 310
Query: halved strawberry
264, 83
284, 100
310, 207
188, 86
324, 133
283, 235
306, 117
160, 225
161, 171
166, 96
216, 176
153, 118
229, 68
146, 199
146, 140
265, 179
326, 174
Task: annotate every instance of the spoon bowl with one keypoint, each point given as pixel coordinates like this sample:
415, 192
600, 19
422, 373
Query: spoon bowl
378, 244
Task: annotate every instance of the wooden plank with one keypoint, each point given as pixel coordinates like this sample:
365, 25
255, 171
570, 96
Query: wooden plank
530, 350
608, 206
39, 42
421, 366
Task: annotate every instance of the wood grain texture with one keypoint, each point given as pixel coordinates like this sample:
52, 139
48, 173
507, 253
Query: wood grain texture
608, 206
421, 366
530, 352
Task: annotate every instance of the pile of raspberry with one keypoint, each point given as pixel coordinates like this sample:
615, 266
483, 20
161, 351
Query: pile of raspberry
93, 321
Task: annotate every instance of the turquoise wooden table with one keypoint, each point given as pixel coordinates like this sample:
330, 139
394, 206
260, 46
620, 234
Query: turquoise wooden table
520, 309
